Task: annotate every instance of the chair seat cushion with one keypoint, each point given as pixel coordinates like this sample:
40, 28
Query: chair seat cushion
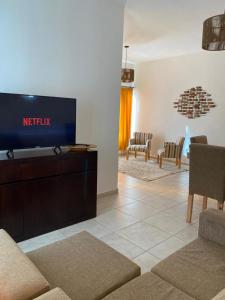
55, 294
197, 269
148, 287
140, 148
19, 278
84, 267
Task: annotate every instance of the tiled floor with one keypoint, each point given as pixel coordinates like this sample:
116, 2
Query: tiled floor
145, 221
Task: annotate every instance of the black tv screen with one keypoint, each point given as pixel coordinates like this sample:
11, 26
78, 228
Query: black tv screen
36, 121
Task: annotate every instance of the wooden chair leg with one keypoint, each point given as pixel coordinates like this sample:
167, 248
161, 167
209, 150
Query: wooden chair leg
149, 154
176, 161
135, 153
190, 208
220, 205
127, 154
179, 163
204, 203
146, 156
160, 161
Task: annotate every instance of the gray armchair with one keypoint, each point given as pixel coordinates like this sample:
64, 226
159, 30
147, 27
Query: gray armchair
140, 143
201, 139
207, 175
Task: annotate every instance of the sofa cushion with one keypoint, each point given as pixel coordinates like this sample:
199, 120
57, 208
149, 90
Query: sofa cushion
19, 278
148, 287
220, 296
84, 267
55, 294
197, 269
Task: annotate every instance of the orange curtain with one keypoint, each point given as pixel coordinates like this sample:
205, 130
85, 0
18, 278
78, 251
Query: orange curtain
126, 97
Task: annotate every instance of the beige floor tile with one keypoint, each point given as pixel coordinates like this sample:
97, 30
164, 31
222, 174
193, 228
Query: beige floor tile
143, 235
139, 210
41, 241
188, 234
159, 202
90, 226
107, 203
114, 220
146, 261
167, 247
122, 245
167, 223
134, 193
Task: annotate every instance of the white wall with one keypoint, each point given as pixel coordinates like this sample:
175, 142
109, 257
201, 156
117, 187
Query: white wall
69, 48
159, 83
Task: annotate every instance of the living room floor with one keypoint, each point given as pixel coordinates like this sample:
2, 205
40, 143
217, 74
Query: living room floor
145, 221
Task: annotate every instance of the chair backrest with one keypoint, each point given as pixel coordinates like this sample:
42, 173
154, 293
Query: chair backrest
174, 150
142, 137
207, 171
201, 139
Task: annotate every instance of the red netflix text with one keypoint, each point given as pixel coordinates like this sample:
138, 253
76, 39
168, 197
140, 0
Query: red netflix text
36, 121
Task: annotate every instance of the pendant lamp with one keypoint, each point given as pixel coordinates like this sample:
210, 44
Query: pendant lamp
214, 33
127, 75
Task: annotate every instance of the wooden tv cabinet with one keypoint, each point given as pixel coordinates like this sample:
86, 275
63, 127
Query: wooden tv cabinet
47, 192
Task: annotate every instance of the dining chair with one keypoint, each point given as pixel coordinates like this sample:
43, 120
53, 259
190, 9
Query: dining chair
207, 175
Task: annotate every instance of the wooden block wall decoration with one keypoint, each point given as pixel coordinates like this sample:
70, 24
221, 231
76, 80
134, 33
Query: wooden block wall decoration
194, 103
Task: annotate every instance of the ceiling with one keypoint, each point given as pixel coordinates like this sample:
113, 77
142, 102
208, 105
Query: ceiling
157, 29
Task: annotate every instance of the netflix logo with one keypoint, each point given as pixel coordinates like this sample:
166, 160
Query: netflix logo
36, 121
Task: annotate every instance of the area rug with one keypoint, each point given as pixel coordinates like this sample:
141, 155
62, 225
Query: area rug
147, 171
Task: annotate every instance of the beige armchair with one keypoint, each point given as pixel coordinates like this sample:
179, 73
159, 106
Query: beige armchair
171, 150
140, 143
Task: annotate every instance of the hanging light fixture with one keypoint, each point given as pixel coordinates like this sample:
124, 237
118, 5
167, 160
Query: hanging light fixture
127, 75
214, 33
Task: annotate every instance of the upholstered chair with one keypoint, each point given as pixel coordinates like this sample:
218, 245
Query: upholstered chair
207, 175
201, 139
171, 150
140, 143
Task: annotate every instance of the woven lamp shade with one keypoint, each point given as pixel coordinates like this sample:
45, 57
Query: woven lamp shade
127, 75
214, 33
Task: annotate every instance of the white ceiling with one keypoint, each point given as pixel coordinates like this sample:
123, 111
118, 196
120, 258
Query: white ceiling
157, 29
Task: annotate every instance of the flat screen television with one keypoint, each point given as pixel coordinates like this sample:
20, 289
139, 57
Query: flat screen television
28, 121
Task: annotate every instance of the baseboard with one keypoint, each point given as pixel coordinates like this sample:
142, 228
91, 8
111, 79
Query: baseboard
113, 192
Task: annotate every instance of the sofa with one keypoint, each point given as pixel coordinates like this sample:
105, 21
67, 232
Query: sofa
82, 267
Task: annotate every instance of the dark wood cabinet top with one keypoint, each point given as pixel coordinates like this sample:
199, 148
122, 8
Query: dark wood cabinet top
25, 168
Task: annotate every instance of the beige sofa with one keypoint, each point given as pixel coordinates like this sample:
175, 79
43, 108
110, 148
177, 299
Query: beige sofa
196, 271
84, 268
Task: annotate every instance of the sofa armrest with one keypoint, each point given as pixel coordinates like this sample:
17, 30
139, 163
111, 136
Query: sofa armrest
212, 226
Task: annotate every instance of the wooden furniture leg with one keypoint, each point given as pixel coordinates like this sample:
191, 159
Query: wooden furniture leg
149, 156
179, 163
220, 205
204, 203
135, 153
127, 154
190, 208
146, 156
160, 161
